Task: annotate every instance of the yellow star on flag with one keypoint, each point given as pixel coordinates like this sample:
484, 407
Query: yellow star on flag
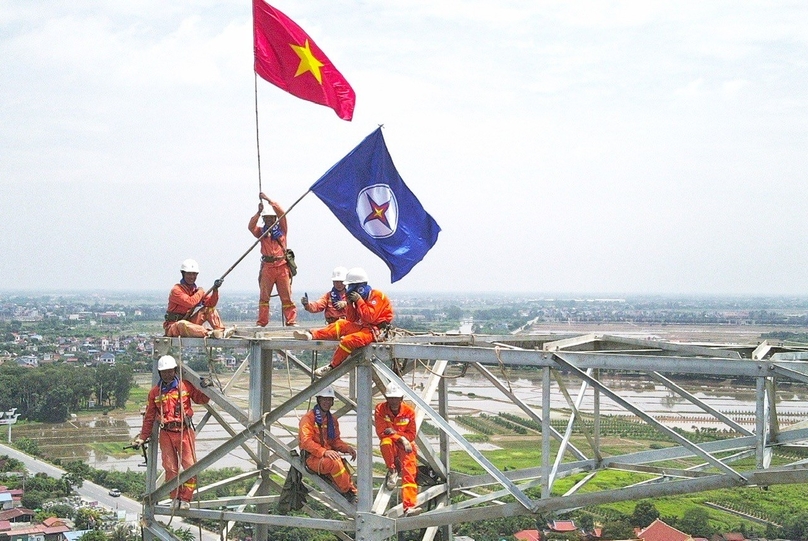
308, 62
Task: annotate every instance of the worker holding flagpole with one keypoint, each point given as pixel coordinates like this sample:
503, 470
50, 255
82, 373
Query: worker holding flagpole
275, 271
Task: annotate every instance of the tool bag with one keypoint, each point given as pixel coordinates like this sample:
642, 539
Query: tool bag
290, 260
293, 493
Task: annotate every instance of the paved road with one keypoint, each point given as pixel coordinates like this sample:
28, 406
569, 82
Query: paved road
92, 492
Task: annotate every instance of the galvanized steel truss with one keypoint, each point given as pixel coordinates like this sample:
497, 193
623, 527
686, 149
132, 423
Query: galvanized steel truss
678, 468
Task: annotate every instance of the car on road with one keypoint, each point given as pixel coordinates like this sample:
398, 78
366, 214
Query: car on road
115, 493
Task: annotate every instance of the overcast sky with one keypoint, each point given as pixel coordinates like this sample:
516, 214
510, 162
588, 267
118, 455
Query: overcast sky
608, 147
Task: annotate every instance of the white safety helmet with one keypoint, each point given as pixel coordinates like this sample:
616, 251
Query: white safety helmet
189, 265
166, 362
328, 392
356, 275
394, 391
338, 274
268, 211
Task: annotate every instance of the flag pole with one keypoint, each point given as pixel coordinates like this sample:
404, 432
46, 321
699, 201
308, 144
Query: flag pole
257, 140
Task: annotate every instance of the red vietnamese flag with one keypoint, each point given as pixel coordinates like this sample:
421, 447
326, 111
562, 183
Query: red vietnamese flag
287, 57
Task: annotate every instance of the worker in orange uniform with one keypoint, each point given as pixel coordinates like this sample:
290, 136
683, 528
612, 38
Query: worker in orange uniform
395, 426
274, 268
321, 443
334, 302
180, 320
169, 404
368, 315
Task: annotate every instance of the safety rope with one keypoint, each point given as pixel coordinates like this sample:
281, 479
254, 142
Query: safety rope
502, 368
443, 376
213, 376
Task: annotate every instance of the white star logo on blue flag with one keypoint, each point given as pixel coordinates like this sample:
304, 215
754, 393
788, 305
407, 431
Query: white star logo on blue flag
379, 220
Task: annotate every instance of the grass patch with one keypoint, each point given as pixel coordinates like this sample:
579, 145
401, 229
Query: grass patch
115, 449
137, 399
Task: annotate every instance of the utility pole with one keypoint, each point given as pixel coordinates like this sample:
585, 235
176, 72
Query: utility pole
9, 418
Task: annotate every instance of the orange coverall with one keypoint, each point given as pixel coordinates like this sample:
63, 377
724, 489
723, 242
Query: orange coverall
181, 299
274, 271
324, 304
361, 326
395, 457
177, 436
314, 440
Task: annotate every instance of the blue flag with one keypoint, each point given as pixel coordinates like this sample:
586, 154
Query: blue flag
366, 194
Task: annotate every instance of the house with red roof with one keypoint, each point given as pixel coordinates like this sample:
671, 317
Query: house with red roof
36, 531
18, 514
562, 526
528, 535
659, 531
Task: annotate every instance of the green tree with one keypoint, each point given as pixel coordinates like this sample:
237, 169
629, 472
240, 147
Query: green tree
121, 382
61, 510
617, 529
28, 446
199, 365
33, 499
695, 522
644, 514
8, 464
72, 481
183, 534
585, 522
79, 469
93, 535
123, 533
87, 519
797, 528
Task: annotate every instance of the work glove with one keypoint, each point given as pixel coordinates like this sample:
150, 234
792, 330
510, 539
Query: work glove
388, 431
137, 442
217, 283
304, 300
353, 296
339, 305
406, 445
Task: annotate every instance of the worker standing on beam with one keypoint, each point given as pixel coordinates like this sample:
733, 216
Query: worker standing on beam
395, 425
334, 302
185, 297
369, 314
169, 404
274, 271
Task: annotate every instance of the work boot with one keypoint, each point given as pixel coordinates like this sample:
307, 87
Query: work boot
413, 512
350, 495
292, 325
392, 479
323, 370
302, 335
183, 505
